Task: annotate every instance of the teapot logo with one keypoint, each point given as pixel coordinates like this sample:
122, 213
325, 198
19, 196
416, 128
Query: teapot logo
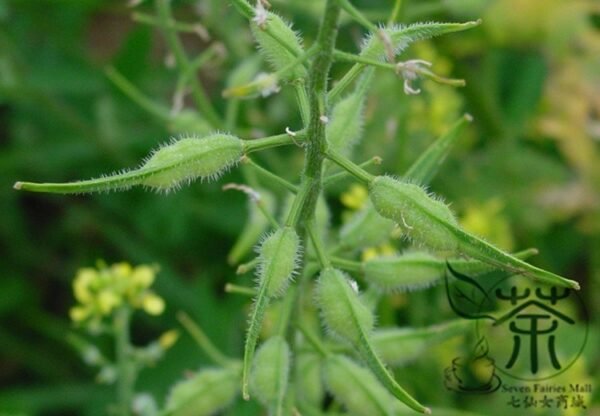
474, 374
527, 326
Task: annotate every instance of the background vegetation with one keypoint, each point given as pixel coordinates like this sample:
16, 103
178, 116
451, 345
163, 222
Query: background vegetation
525, 174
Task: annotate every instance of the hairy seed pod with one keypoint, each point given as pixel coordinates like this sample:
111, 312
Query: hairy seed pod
419, 270
430, 222
278, 260
281, 48
410, 271
308, 382
356, 387
206, 393
402, 36
342, 310
345, 126
420, 217
349, 319
269, 374
167, 168
366, 228
399, 346
187, 159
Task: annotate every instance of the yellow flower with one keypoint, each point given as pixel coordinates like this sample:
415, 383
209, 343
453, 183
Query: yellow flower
487, 221
153, 304
143, 276
99, 291
168, 339
122, 269
78, 313
355, 197
81, 286
107, 301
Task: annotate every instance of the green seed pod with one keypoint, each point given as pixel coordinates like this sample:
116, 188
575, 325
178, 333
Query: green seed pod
402, 36
399, 346
420, 217
430, 222
414, 270
346, 317
279, 43
346, 121
356, 388
187, 159
278, 260
308, 383
254, 228
165, 169
342, 310
418, 270
206, 393
366, 228
269, 374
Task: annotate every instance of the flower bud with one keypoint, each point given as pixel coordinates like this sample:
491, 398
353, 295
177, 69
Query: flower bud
269, 374
204, 394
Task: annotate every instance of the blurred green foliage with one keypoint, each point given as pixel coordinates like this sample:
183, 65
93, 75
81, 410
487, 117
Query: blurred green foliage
526, 174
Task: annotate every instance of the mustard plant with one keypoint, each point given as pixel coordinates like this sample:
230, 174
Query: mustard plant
305, 271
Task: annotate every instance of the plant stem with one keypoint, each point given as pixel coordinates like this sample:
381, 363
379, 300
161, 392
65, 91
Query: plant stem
331, 179
317, 243
350, 166
202, 340
125, 366
240, 290
271, 176
272, 141
135, 95
202, 101
346, 264
304, 204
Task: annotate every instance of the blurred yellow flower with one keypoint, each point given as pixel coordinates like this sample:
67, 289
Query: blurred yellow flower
355, 197
101, 290
168, 339
153, 304
487, 221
